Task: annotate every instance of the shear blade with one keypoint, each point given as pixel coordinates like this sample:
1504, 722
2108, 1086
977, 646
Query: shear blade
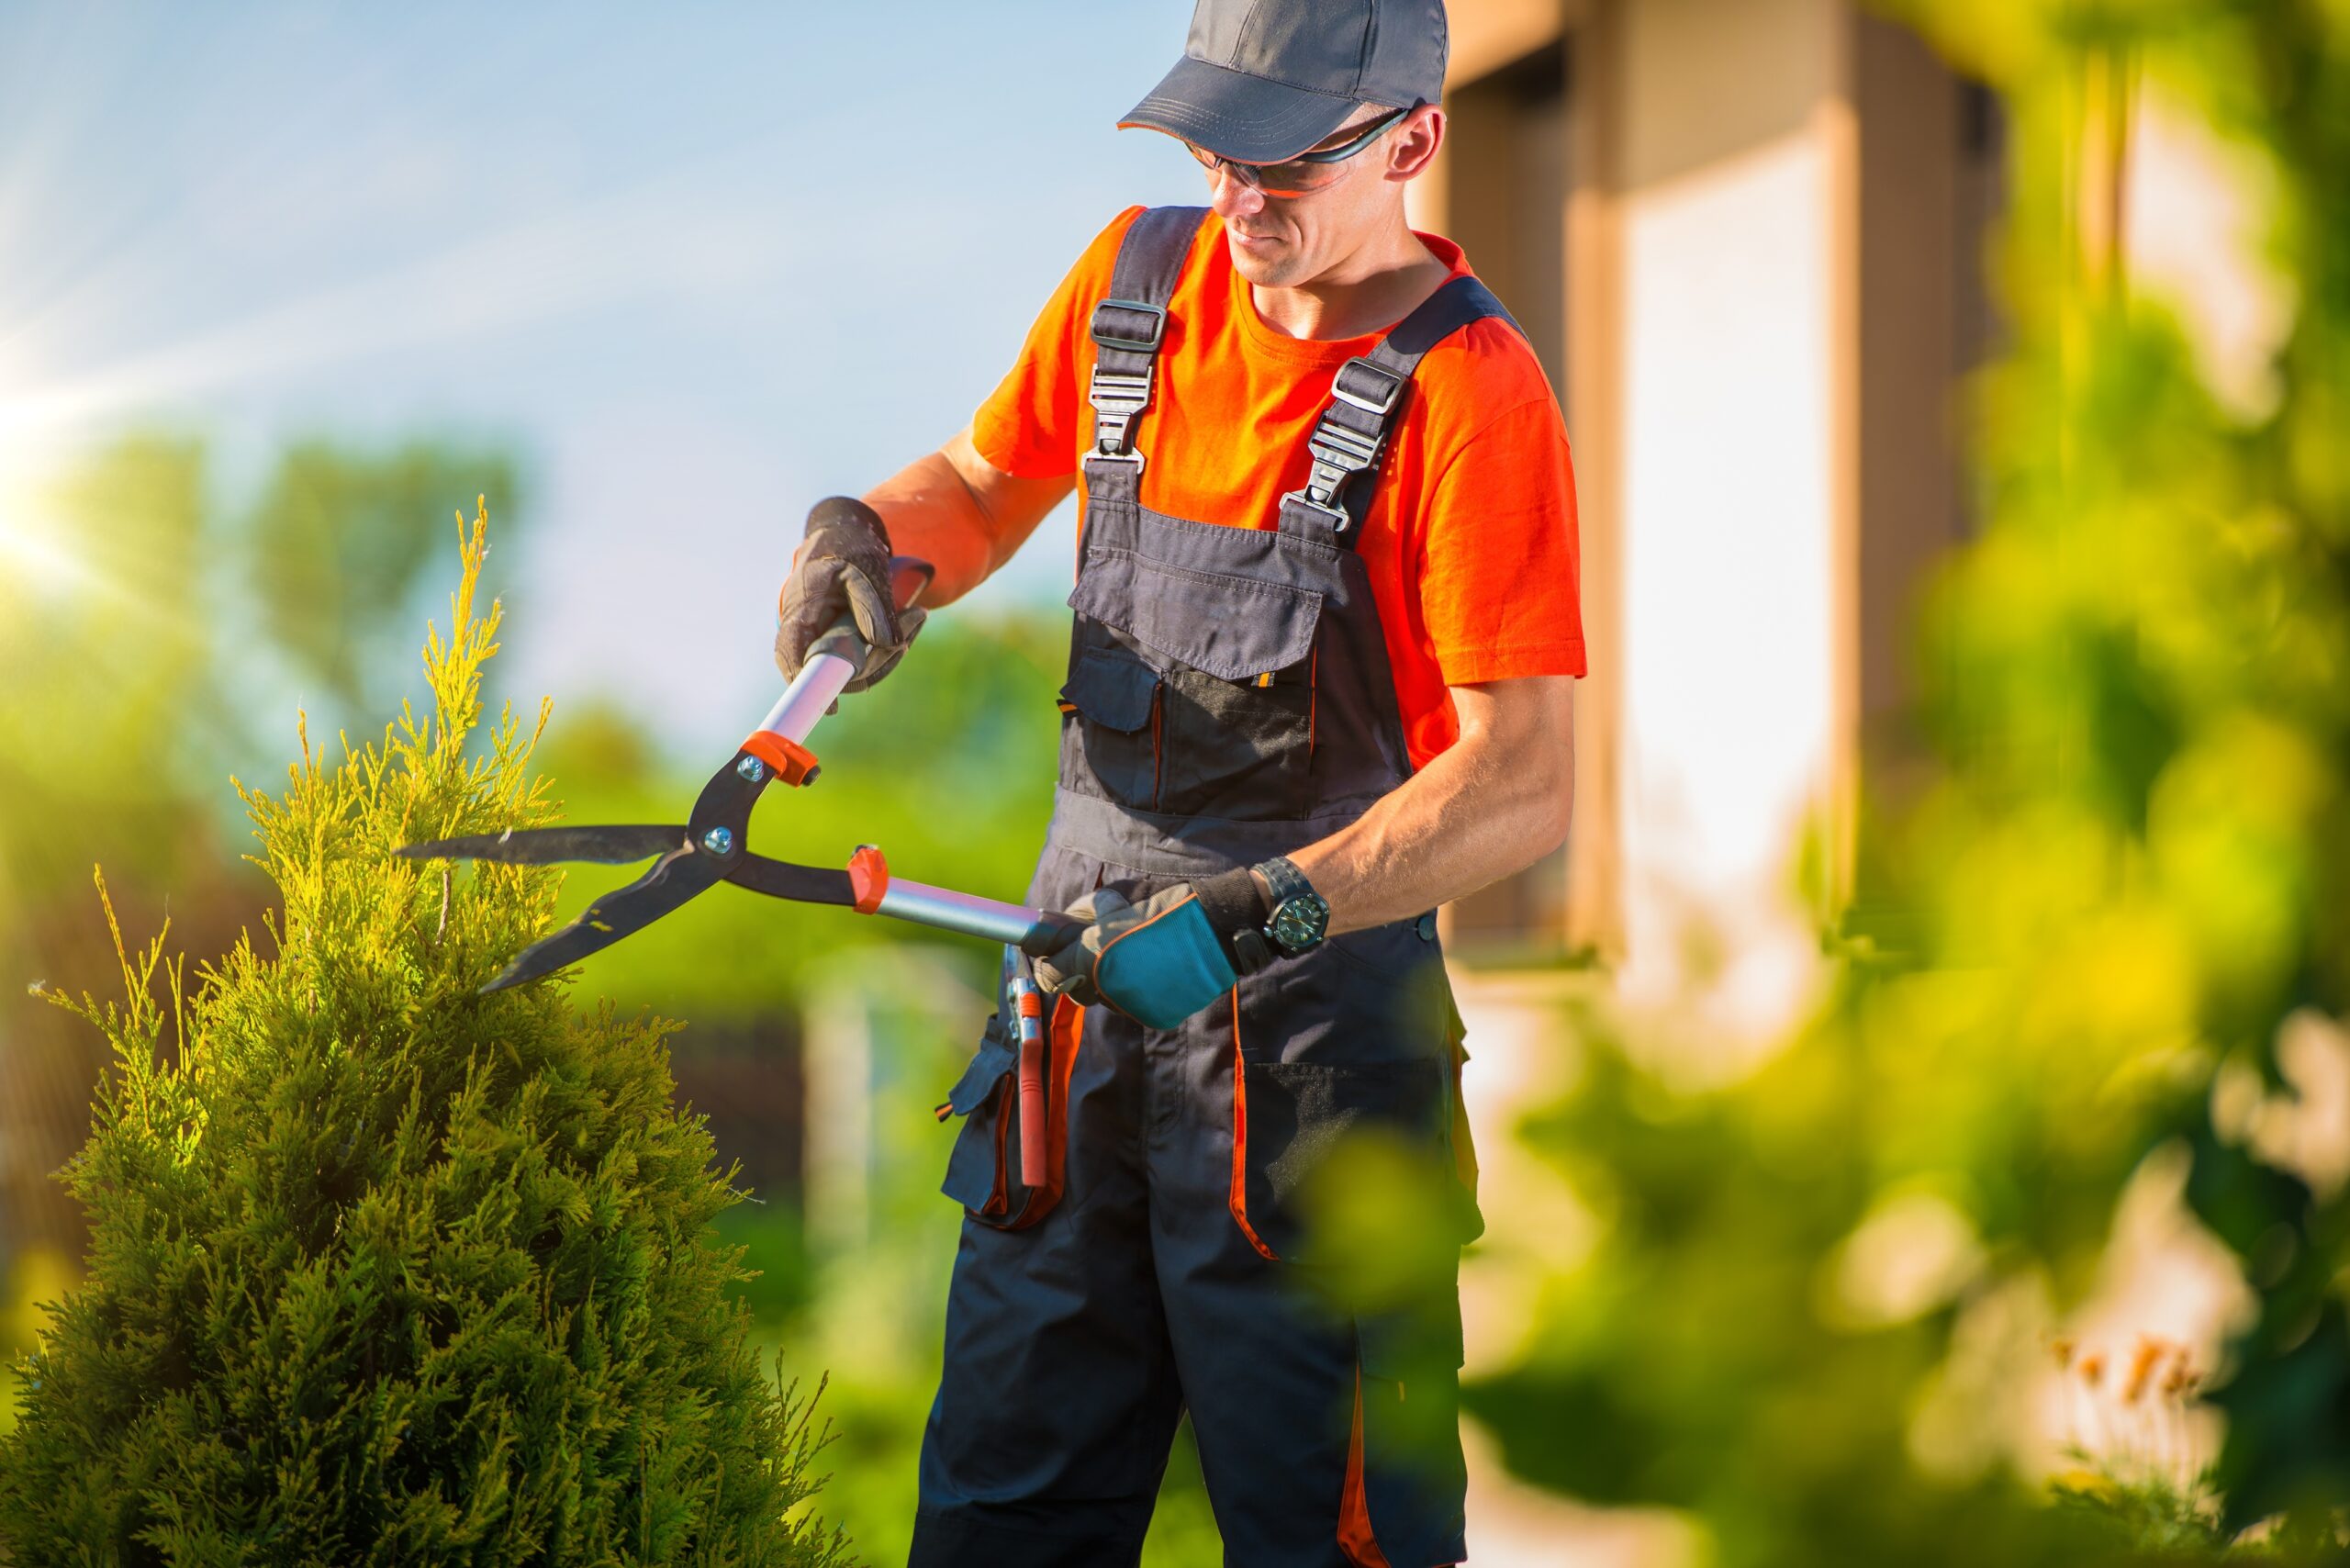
544, 846
679, 876
801, 884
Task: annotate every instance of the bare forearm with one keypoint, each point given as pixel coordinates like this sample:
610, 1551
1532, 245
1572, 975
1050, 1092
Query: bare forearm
932, 515
1493, 804
950, 509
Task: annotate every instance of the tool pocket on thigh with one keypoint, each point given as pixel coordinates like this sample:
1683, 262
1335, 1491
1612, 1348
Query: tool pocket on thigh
1361, 1037
1288, 1119
1405, 1479
983, 1167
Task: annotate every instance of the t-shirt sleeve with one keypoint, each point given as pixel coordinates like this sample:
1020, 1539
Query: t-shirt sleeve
1501, 589
1028, 426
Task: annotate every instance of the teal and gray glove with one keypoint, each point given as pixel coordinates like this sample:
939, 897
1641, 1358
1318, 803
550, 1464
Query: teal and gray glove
1165, 958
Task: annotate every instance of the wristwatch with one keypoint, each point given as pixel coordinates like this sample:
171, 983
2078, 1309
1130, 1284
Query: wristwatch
1300, 916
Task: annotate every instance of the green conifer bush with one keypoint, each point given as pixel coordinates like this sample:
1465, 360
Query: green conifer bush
382, 1271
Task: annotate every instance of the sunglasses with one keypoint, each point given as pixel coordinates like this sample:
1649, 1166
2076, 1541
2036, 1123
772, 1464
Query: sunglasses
1306, 173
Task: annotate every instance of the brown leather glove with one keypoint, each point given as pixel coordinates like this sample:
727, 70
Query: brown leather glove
842, 567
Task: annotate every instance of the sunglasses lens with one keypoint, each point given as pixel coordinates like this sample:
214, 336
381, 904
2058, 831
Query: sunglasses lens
1297, 179
1273, 179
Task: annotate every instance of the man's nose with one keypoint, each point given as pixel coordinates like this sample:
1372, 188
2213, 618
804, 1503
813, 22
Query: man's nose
1231, 196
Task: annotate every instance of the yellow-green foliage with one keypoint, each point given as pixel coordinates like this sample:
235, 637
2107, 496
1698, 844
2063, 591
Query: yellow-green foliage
2144, 834
382, 1271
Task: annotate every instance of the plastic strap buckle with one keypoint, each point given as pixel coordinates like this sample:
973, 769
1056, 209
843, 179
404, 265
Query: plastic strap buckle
1117, 397
1331, 514
1339, 454
1374, 388
1111, 314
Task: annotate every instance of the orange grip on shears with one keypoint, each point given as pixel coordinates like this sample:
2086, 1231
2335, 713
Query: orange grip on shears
792, 763
868, 877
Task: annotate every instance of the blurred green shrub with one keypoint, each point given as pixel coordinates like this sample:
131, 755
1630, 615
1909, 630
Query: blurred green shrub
2145, 713
1809, 1307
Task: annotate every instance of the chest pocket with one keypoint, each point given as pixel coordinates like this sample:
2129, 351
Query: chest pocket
1190, 692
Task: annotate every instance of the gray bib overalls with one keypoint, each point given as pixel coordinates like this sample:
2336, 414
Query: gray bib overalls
1228, 699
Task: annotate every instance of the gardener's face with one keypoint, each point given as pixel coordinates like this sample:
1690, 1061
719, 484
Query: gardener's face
1285, 241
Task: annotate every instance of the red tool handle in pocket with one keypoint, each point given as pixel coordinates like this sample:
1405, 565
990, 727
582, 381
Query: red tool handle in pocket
1030, 1003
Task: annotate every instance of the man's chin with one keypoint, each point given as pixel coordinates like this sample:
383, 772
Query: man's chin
1268, 265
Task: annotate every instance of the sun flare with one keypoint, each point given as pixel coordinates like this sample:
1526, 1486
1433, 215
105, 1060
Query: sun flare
35, 548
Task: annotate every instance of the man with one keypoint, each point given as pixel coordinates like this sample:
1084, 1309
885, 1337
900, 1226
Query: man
1320, 682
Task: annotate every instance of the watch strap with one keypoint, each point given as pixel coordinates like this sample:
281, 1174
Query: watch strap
1281, 874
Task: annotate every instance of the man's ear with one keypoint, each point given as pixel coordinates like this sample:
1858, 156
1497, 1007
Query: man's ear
1413, 145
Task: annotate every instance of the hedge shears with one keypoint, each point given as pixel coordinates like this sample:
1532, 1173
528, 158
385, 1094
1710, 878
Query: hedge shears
713, 844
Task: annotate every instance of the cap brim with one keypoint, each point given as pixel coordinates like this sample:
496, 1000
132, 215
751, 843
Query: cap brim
1244, 117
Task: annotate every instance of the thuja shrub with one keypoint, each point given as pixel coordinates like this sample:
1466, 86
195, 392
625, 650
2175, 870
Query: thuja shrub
382, 1271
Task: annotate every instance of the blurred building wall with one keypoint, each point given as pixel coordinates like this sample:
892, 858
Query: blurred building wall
1742, 236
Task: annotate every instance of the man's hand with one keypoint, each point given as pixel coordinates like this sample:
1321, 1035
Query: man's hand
842, 568
1159, 961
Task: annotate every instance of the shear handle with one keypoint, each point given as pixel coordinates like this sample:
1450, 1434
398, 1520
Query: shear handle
833, 662
1028, 1009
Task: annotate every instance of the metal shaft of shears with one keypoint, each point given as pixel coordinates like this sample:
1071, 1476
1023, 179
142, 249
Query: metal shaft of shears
1031, 930
815, 689
873, 890
790, 721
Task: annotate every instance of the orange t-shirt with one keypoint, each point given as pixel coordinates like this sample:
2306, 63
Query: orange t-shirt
1470, 538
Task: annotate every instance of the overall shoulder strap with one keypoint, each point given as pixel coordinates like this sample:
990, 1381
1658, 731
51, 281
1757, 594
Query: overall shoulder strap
1130, 323
1366, 396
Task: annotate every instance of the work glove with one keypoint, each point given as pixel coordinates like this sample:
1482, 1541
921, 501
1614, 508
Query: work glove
1163, 960
842, 567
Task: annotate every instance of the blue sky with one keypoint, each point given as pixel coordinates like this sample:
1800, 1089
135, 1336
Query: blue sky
702, 263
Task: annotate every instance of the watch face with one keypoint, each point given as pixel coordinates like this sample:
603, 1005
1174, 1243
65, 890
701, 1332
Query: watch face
1299, 923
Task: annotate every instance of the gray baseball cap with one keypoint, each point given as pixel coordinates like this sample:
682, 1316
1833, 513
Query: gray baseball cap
1261, 80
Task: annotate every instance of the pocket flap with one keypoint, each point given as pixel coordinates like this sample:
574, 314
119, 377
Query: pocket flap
994, 1058
1113, 689
1234, 628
